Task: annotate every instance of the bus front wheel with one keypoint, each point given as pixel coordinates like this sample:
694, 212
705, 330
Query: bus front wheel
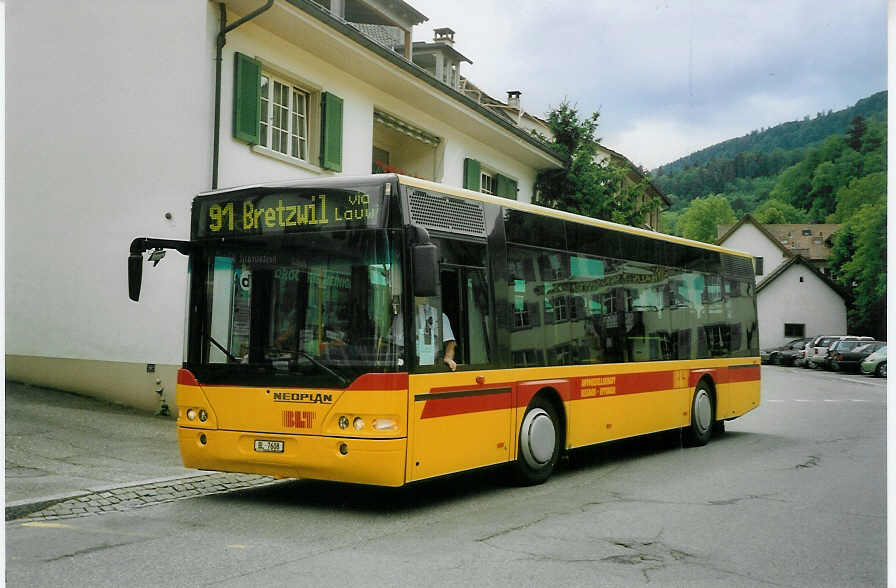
702, 417
539, 446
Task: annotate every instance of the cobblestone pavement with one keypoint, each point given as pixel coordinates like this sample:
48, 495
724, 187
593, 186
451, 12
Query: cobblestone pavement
142, 495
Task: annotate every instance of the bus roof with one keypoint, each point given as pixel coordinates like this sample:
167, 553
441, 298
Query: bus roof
337, 182
471, 195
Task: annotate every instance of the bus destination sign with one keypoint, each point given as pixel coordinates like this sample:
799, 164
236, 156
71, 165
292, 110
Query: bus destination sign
290, 212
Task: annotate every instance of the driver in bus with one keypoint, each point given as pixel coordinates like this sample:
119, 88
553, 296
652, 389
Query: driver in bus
426, 336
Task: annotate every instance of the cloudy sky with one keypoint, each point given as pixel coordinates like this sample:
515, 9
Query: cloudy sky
671, 77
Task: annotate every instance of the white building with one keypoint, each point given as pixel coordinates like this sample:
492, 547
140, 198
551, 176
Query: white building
794, 298
111, 110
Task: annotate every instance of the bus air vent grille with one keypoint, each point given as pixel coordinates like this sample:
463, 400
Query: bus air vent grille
435, 211
737, 267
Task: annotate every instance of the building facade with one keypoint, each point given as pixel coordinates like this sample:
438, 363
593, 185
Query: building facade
120, 112
112, 131
794, 296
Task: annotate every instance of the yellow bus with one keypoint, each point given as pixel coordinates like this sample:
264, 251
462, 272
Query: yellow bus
385, 329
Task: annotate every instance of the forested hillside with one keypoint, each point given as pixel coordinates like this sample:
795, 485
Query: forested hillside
828, 169
787, 136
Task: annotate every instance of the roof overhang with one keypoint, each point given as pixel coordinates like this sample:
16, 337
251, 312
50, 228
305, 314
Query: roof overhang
388, 12
749, 219
314, 29
437, 47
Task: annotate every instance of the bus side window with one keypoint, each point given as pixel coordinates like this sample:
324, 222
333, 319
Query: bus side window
476, 304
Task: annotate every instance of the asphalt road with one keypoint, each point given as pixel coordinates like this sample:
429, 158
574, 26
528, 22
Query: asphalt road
794, 494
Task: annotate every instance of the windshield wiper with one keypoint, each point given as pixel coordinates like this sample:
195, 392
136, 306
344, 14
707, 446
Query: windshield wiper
322, 366
221, 347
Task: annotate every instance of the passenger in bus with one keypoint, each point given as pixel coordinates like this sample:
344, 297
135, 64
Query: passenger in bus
426, 339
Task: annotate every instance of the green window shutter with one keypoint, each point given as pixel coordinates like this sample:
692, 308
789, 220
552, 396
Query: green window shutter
331, 132
246, 98
472, 173
506, 187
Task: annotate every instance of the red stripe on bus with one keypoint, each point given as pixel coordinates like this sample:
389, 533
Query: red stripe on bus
470, 388
454, 405
186, 378
391, 381
622, 384
695, 376
494, 397
744, 374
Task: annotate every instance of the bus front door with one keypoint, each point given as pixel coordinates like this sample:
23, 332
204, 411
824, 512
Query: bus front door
462, 419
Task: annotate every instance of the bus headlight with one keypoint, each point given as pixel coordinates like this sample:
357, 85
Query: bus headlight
385, 424
203, 415
191, 414
358, 423
343, 422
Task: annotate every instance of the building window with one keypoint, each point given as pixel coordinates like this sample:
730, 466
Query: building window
283, 125
760, 269
560, 306
487, 183
521, 313
478, 178
293, 122
807, 232
794, 330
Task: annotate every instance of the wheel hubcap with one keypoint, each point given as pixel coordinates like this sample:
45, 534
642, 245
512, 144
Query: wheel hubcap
537, 438
702, 411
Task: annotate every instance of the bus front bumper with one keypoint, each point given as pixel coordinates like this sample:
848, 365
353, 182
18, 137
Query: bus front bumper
360, 461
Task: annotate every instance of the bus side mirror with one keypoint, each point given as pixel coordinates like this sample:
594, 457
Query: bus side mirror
426, 269
135, 275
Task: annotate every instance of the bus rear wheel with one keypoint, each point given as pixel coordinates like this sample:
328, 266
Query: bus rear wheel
539, 443
702, 417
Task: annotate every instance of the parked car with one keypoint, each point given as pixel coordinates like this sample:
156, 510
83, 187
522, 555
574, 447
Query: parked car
783, 354
817, 349
847, 355
876, 363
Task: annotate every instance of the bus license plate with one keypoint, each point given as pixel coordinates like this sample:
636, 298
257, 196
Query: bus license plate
269, 446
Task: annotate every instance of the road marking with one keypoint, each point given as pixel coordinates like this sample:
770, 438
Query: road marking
809, 400
45, 525
875, 383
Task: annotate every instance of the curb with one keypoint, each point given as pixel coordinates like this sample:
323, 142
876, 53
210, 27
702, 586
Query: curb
20, 508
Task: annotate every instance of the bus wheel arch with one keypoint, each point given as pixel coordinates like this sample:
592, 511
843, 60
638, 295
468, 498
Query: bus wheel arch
542, 436
703, 413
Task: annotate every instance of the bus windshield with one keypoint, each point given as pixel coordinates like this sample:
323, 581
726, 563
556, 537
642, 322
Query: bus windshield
312, 310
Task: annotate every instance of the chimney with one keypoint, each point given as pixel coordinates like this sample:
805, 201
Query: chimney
513, 99
444, 35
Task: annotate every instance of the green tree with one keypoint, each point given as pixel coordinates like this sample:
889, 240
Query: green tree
825, 181
701, 219
589, 185
858, 262
871, 189
794, 185
856, 131
775, 212
668, 220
